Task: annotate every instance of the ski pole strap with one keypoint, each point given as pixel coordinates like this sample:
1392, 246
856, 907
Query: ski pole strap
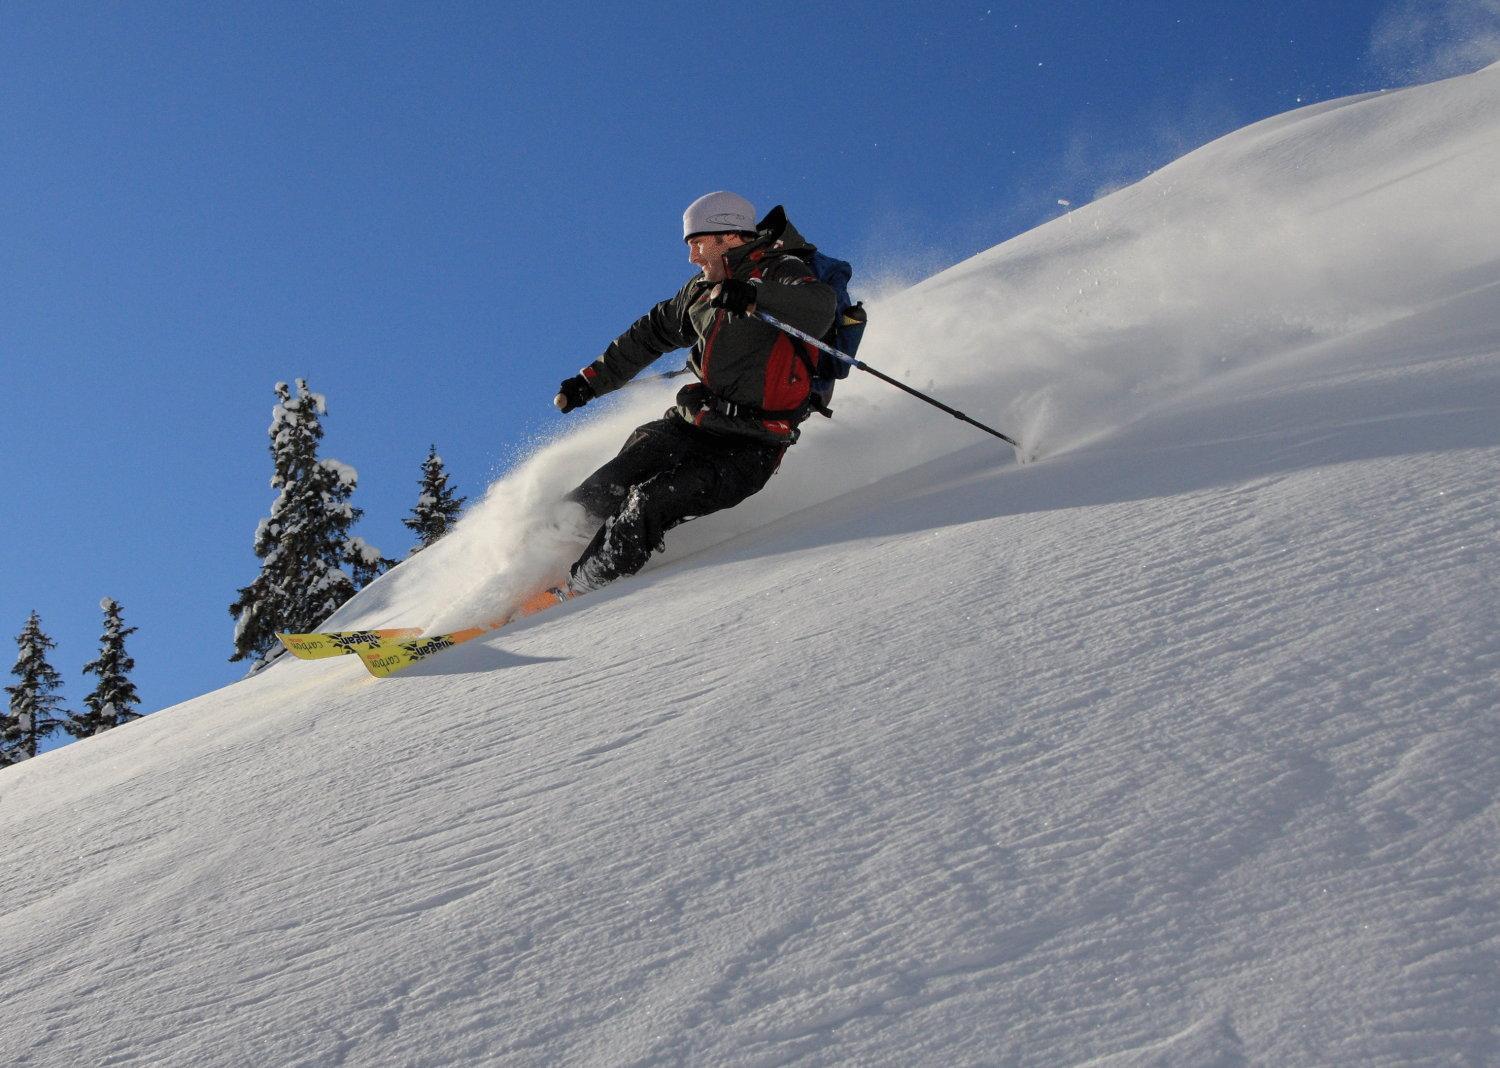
852, 362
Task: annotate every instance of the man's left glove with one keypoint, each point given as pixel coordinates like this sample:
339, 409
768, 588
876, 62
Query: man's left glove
574, 392
734, 295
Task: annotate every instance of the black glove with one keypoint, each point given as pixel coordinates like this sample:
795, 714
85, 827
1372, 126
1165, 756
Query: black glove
574, 392
734, 296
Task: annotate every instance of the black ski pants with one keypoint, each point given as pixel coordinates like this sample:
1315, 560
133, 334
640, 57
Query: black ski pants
667, 473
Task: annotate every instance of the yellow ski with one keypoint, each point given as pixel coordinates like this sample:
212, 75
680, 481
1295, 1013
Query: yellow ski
317, 646
387, 659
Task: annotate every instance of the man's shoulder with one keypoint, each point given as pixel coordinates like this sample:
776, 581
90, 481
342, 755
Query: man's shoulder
787, 267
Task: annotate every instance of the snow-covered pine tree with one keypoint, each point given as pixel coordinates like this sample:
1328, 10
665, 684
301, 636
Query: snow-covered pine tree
114, 698
34, 701
305, 543
437, 507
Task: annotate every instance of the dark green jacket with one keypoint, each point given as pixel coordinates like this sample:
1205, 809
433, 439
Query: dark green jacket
753, 379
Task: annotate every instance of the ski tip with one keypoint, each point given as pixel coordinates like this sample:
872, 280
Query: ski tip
383, 661
311, 646
321, 645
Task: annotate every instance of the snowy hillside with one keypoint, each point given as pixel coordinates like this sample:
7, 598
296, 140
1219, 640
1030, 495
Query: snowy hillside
1180, 746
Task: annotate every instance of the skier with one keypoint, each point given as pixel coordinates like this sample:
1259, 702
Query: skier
726, 434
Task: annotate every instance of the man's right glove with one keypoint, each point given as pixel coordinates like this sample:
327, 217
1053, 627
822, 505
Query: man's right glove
734, 295
574, 392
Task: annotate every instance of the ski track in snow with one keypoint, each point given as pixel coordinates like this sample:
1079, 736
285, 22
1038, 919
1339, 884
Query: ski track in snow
1179, 747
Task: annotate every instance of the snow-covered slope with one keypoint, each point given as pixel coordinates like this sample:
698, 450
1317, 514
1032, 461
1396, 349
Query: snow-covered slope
1180, 746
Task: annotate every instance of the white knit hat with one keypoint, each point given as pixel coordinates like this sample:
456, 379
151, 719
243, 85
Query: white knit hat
718, 213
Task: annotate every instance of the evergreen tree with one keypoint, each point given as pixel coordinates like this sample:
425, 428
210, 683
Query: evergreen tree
437, 507
305, 544
114, 698
33, 701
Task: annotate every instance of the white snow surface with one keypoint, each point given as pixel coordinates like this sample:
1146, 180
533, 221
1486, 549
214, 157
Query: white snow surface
1179, 746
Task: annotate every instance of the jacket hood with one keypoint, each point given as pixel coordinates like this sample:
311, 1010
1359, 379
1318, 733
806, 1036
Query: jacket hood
776, 227
774, 233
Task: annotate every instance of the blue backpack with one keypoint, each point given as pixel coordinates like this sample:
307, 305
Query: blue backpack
848, 328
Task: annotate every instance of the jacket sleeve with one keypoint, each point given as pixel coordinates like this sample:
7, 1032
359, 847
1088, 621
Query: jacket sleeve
792, 293
661, 330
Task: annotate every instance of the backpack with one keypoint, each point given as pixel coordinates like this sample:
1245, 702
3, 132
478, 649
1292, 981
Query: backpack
849, 319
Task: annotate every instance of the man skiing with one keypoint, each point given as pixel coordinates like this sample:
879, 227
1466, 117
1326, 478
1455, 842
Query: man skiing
726, 434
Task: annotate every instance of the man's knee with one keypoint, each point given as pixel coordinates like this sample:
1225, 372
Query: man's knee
598, 497
650, 449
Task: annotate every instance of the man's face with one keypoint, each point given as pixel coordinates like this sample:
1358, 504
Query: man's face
706, 251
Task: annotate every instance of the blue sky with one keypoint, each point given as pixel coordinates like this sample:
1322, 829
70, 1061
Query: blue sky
436, 211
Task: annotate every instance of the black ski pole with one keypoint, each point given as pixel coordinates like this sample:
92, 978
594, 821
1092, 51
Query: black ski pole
852, 362
683, 370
